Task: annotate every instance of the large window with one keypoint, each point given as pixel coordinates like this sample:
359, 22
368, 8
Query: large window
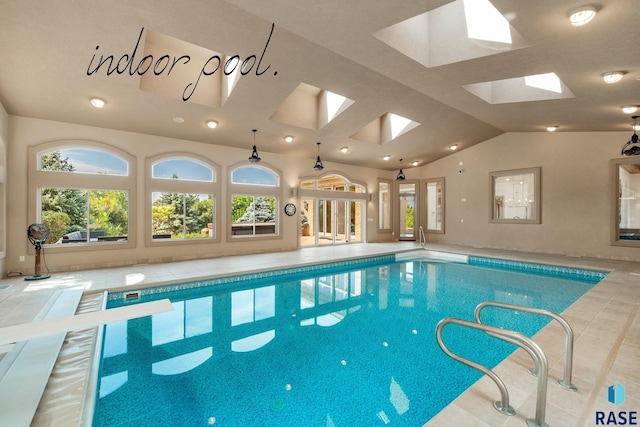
254, 201
183, 191
87, 210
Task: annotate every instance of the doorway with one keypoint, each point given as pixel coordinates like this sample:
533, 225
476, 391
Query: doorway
332, 222
407, 198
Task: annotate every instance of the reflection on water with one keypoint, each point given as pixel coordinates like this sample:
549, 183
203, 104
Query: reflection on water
346, 349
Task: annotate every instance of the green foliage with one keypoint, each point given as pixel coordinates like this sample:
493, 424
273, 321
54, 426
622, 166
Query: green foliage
181, 214
239, 205
261, 210
409, 217
53, 161
109, 212
57, 223
71, 202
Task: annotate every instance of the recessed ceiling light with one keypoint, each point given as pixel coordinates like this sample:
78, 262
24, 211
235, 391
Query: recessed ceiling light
344, 150
416, 163
552, 128
630, 109
178, 119
613, 76
582, 15
453, 147
288, 139
97, 102
387, 157
212, 124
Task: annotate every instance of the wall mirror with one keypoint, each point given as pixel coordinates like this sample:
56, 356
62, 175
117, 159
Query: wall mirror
515, 196
435, 205
625, 224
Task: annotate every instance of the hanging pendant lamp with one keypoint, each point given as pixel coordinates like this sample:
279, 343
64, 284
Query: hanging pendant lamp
254, 154
400, 176
632, 148
318, 166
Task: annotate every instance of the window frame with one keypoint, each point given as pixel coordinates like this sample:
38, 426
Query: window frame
254, 190
38, 179
186, 186
537, 193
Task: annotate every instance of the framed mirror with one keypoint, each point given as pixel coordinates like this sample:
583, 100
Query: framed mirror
625, 220
434, 188
515, 196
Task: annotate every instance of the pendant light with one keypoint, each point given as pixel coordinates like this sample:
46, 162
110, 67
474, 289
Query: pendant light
400, 176
318, 166
254, 154
632, 148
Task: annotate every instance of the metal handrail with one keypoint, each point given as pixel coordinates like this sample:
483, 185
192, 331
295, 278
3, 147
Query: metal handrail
515, 338
423, 238
568, 354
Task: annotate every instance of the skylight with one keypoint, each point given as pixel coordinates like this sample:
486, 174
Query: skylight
334, 102
398, 124
548, 81
311, 107
459, 30
484, 22
540, 87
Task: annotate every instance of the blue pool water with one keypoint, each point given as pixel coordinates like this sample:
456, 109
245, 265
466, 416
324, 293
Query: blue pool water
346, 344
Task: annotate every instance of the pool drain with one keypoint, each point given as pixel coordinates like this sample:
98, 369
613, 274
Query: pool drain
277, 405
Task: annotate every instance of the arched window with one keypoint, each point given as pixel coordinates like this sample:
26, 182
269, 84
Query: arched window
255, 192
92, 210
183, 191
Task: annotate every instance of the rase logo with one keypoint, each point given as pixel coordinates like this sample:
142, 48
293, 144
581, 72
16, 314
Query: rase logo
615, 395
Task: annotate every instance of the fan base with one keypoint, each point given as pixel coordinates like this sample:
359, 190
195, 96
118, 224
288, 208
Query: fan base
37, 277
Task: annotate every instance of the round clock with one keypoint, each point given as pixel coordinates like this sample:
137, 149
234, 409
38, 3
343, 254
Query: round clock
290, 209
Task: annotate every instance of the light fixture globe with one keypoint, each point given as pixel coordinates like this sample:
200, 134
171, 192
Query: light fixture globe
632, 148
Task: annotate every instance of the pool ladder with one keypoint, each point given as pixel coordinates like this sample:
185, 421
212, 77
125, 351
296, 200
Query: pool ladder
423, 238
541, 365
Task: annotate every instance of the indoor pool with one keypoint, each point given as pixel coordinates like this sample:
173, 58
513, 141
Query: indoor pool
342, 344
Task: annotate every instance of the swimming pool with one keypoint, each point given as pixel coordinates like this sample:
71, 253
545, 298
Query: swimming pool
340, 344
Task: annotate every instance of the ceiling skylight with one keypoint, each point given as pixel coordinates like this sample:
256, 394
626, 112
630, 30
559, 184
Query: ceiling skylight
548, 81
540, 87
311, 107
458, 31
484, 22
385, 129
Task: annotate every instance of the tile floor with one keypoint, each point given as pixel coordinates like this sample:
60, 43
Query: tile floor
605, 321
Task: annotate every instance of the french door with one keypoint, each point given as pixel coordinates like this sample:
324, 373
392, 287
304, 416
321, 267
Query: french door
332, 222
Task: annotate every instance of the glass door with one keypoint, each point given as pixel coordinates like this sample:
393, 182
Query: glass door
407, 195
330, 222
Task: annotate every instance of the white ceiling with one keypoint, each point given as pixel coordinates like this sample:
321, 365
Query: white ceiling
46, 49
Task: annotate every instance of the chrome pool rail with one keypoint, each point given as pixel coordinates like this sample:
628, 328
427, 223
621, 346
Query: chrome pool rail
423, 238
513, 337
565, 382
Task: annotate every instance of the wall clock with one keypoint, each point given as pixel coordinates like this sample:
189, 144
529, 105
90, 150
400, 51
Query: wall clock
290, 209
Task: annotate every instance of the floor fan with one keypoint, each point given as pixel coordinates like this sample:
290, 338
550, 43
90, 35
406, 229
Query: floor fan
37, 234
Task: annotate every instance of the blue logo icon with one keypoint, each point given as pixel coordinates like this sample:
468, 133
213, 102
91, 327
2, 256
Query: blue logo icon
616, 394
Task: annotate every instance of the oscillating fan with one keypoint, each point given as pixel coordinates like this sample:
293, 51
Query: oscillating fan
37, 234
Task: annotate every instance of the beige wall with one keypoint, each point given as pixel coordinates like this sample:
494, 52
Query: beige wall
25, 132
576, 193
4, 137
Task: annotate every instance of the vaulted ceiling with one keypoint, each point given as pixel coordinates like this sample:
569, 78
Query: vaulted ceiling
380, 59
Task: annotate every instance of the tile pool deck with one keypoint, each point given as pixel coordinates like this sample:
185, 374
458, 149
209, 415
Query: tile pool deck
606, 323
